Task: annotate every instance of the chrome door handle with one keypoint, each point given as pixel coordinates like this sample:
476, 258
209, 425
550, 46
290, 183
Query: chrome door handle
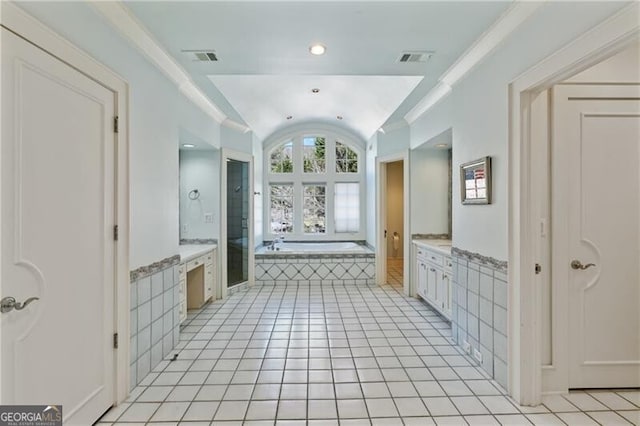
8, 304
576, 264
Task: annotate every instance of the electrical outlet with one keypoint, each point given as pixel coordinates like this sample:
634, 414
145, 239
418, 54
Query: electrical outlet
466, 346
185, 229
208, 218
477, 355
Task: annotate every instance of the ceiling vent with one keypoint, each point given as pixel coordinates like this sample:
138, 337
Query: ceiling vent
419, 57
202, 55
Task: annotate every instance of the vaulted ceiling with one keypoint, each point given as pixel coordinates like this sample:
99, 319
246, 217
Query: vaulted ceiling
265, 72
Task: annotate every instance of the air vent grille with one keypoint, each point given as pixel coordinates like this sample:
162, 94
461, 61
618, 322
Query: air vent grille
419, 57
202, 55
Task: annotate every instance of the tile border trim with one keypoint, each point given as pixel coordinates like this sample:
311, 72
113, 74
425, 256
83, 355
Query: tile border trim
430, 237
294, 255
148, 270
499, 265
198, 241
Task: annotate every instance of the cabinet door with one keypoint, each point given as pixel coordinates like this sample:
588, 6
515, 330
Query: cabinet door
432, 283
421, 274
446, 294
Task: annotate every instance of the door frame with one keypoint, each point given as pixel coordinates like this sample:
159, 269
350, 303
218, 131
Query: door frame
525, 299
230, 154
381, 218
24, 25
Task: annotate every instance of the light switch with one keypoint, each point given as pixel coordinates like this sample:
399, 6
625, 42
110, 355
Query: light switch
208, 218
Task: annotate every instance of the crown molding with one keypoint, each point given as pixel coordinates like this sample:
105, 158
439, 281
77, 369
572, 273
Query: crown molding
393, 126
499, 31
121, 18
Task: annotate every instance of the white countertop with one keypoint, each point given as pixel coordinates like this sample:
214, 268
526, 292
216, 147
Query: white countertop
191, 251
441, 246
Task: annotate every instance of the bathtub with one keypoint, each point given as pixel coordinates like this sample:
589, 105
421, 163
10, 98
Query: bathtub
324, 247
315, 263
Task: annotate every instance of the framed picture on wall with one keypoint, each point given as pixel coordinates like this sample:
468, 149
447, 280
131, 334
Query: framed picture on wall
475, 181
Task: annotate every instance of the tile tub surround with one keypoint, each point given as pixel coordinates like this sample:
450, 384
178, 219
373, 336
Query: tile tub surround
315, 269
479, 309
155, 322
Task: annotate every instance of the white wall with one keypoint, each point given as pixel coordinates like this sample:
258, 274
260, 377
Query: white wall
624, 67
370, 183
199, 170
236, 140
157, 111
429, 191
395, 211
393, 141
477, 110
258, 187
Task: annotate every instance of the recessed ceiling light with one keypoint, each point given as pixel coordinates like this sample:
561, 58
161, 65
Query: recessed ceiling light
339, 117
315, 90
441, 145
188, 145
289, 117
317, 49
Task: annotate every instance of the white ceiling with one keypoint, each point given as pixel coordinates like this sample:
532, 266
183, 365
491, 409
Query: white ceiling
264, 45
365, 102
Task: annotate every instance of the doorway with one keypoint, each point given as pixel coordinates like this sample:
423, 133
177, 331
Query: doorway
574, 216
395, 223
237, 221
392, 221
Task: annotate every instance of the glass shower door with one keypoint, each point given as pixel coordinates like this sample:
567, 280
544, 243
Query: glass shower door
237, 222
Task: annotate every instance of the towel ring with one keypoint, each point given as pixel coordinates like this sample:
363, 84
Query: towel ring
194, 194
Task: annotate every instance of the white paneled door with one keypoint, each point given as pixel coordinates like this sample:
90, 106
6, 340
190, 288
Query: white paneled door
596, 225
57, 207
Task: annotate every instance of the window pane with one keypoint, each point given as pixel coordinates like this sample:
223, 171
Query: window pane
314, 209
347, 207
282, 158
346, 159
281, 210
313, 154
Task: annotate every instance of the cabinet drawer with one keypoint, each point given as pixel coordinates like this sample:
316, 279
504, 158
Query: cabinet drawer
448, 263
195, 263
435, 258
421, 253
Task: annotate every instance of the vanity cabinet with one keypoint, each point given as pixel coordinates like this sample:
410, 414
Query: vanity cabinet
433, 276
197, 280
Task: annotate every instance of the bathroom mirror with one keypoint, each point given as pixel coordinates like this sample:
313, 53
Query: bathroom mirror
475, 181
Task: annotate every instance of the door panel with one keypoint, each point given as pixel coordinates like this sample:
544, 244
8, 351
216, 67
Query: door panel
596, 172
57, 196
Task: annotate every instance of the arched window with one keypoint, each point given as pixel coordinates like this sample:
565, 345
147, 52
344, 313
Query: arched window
316, 188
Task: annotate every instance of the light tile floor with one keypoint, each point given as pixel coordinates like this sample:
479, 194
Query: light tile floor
337, 355
395, 271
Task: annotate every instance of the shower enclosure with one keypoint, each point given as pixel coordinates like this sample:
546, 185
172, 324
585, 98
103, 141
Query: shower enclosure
237, 223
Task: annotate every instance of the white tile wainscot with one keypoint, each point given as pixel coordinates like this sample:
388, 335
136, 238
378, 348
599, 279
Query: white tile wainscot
433, 273
154, 316
479, 310
197, 273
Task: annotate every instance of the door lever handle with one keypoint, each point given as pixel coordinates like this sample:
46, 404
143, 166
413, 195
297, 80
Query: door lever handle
576, 264
8, 304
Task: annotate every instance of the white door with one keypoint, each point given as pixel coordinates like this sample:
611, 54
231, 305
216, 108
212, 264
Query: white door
596, 184
57, 207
